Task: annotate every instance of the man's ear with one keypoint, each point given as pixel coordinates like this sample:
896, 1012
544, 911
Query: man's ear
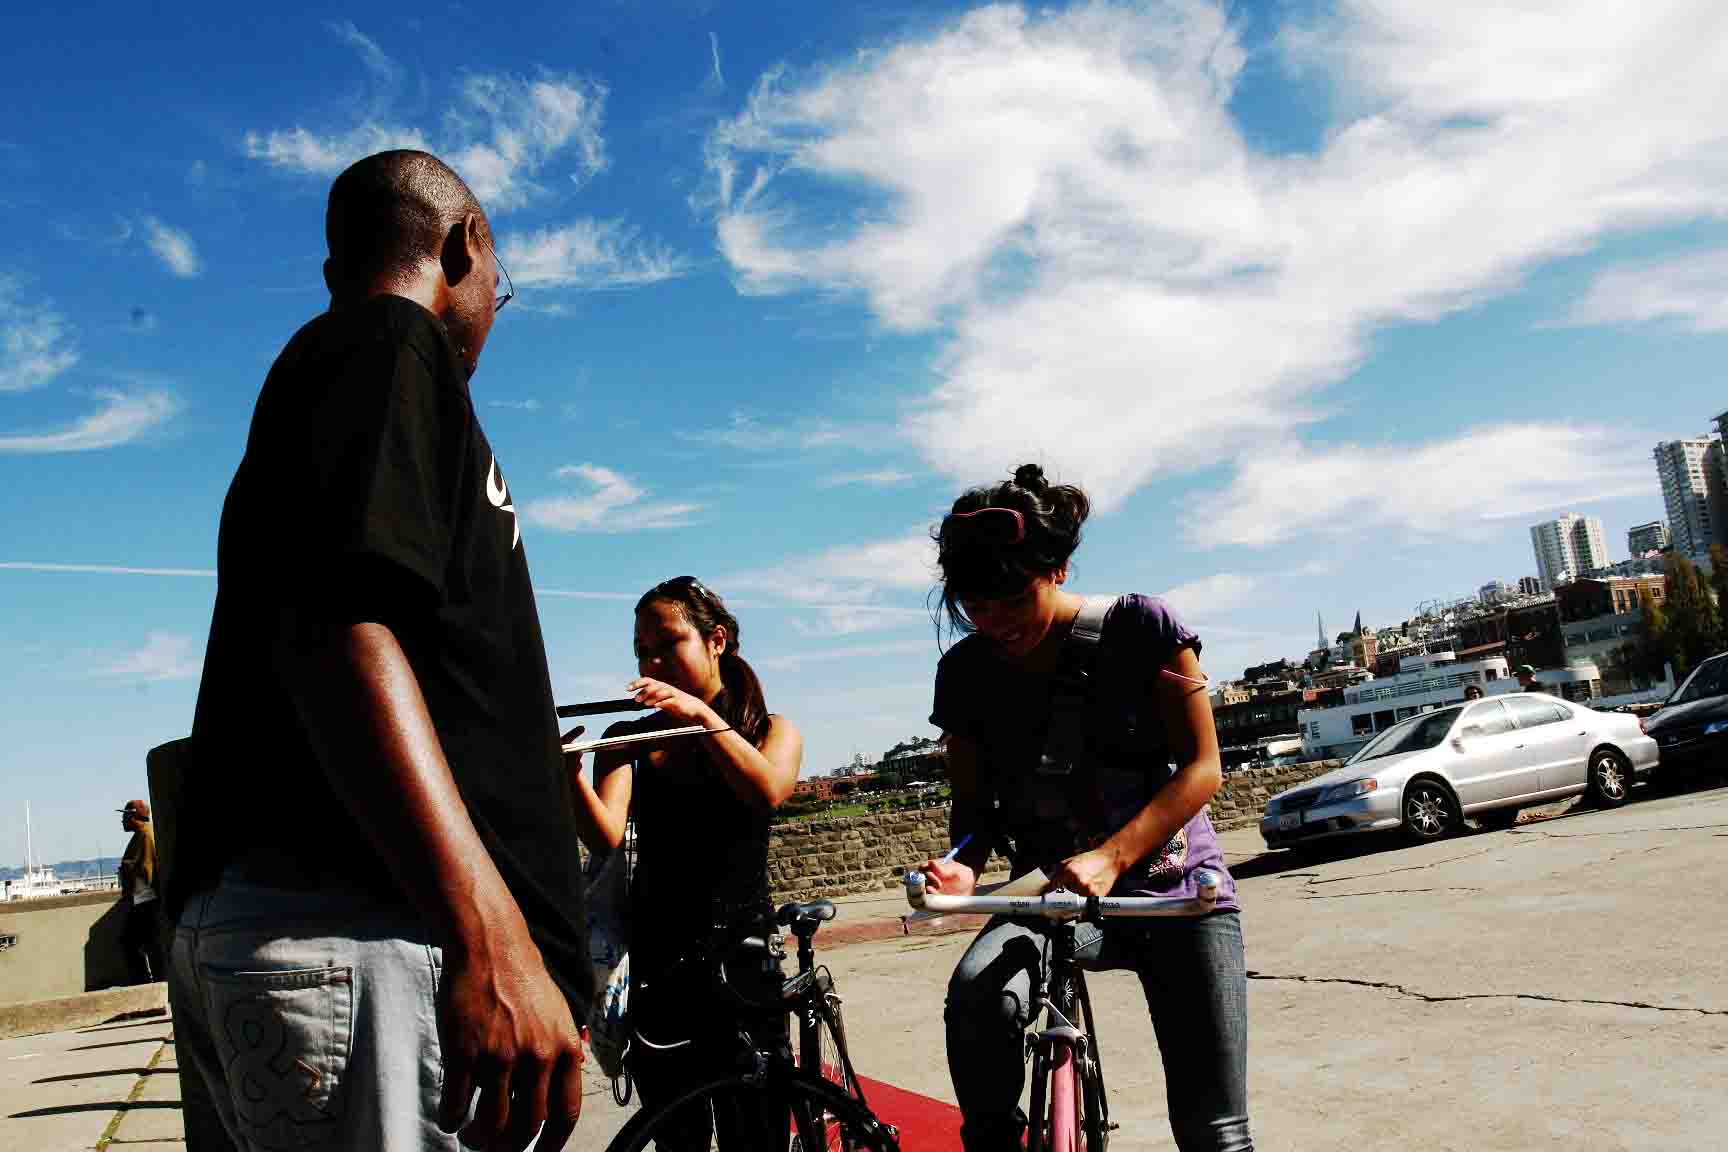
461, 251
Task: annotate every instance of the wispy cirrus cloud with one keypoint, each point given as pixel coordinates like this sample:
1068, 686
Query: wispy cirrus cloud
122, 418
102, 569
748, 434
588, 253
878, 478
1127, 285
173, 246
501, 133
1691, 290
164, 656
1452, 487
613, 503
35, 341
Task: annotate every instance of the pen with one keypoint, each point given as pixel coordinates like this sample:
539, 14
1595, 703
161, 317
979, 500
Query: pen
955, 851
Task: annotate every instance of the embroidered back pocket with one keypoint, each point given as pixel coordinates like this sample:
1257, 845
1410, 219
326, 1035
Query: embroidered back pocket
284, 1040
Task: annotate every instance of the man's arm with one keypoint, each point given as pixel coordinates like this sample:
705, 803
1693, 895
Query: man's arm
504, 1026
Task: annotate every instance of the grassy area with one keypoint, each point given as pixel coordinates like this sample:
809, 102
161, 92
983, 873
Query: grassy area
854, 808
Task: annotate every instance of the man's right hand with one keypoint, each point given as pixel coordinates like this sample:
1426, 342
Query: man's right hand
951, 878
505, 1028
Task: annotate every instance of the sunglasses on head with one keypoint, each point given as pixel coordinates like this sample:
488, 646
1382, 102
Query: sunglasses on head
997, 525
682, 584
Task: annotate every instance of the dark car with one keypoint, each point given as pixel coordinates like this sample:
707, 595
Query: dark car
1691, 730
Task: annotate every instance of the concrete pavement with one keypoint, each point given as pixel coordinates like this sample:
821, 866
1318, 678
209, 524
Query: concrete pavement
1563, 985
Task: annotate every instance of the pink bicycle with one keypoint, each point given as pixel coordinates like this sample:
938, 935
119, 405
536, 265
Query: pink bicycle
1070, 1109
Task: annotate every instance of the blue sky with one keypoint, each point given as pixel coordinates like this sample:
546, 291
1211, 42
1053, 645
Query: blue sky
1325, 303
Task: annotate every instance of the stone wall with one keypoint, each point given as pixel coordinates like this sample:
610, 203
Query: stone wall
1243, 797
867, 853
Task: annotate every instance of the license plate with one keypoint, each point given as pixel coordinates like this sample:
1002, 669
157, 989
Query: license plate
1289, 820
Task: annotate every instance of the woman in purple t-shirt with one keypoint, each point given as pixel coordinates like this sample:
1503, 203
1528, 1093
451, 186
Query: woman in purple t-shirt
1137, 823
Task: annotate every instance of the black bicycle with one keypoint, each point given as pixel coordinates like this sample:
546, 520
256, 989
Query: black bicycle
814, 1096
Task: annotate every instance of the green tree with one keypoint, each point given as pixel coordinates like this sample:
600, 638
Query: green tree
1694, 624
1650, 648
1719, 580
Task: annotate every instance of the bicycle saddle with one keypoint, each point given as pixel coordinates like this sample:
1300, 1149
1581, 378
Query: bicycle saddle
804, 918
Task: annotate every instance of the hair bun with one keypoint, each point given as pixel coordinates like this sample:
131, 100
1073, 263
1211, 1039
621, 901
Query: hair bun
1030, 477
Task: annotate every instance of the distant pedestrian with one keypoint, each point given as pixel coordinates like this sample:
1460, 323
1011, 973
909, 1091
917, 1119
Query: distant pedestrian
142, 936
1473, 692
1527, 681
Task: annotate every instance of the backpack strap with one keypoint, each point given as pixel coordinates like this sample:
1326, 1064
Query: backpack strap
1071, 688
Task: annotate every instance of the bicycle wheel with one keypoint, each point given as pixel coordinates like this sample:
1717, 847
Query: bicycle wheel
832, 1063
803, 1107
1038, 1123
1064, 1106
1094, 1114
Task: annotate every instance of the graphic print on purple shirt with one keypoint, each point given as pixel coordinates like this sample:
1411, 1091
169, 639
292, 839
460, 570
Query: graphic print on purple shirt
1005, 710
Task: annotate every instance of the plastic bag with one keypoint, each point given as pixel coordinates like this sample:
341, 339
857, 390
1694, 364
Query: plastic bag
609, 959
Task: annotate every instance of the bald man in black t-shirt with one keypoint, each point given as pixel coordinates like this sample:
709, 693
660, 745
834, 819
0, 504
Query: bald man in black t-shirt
388, 915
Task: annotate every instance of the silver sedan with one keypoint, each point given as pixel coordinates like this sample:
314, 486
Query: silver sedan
1485, 760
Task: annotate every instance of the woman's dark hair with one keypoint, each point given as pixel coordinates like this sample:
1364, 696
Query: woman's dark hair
995, 540
740, 703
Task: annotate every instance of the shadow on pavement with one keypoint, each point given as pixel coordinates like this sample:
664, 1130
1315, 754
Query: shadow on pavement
102, 1106
122, 1043
74, 1077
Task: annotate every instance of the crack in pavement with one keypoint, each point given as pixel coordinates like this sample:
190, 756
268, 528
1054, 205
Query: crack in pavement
1618, 832
1381, 892
1429, 998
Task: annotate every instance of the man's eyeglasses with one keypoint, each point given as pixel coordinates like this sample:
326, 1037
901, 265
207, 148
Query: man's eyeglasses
498, 302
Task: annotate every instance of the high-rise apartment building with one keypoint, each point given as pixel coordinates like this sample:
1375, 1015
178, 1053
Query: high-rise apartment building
1692, 491
1651, 537
1568, 547
1529, 585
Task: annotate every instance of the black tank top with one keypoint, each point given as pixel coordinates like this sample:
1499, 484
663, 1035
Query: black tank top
701, 856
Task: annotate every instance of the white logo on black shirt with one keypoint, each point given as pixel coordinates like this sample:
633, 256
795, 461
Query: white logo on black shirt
499, 496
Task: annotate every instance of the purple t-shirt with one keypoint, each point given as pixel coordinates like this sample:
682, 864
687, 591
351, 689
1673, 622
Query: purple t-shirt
1005, 710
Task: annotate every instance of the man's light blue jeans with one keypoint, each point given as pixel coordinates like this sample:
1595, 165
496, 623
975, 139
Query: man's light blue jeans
311, 1017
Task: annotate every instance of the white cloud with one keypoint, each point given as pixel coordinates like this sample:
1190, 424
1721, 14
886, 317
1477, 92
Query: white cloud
1198, 599
880, 478
173, 247
35, 343
1691, 289
500, 134
614, 504
528, 405
587, 254
716, 78
748, 434
1127, 284
164, 656
1452, 487
853, 619
851, 575
325, 155
124, 417
102, 569
792, 661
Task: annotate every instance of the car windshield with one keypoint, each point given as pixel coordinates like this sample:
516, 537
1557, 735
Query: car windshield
1413, 735
1706, 680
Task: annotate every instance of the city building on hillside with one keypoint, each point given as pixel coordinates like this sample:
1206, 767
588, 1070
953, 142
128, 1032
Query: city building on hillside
1230, 692
1529, 585
1568, 546
1643, 539
1691, 472
1605, 596
1493, 592
1421, 684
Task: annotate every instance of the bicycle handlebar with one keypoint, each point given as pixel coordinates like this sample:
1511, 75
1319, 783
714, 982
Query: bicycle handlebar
1064, 905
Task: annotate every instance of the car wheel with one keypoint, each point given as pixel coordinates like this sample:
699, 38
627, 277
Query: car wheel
1610, 779
1429, 813
1497, 819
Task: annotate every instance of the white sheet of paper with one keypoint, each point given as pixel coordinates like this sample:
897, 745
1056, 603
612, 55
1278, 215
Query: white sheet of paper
632, 738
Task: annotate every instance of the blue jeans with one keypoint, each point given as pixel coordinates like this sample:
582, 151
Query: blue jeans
311, 1018
1196, 990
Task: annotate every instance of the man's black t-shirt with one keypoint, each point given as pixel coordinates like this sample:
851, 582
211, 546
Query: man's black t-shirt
369, 493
